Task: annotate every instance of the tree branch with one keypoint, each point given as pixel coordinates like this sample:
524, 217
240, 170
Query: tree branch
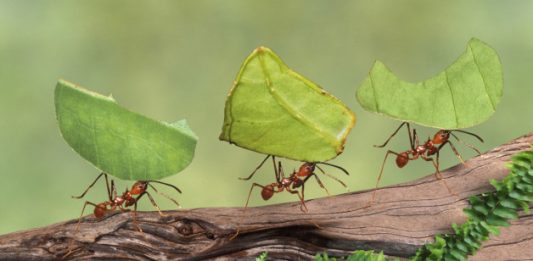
403, 218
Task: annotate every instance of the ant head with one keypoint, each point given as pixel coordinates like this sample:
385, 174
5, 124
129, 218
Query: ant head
267, 192
441, 136
139, 187
99, 210
306, 169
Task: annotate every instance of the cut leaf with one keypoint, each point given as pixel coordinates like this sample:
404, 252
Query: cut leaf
119, 142
273, 110
463, 95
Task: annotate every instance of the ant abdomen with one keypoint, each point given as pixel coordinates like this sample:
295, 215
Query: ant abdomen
402, 159
99, 210
267, 192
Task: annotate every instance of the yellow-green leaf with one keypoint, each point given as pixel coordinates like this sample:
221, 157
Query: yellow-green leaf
273, 110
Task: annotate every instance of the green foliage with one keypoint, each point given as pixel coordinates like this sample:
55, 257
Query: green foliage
463, 95
487, 213
358, 255
273, 110
262, 257
121, 143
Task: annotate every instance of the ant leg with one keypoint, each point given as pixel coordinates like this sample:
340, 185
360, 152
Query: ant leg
155, 204
303, 206
250, 194
113, 190
256, 169
395, 132
301, 197
414, 142
134, 214
438, 175
467, 144
281, 173
245, 208
277, 170
92, 184
380, 175
81, 215
318, 181
165, 195
331, 176
454, 151
70, 245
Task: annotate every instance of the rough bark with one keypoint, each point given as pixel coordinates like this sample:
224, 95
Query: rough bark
403, 218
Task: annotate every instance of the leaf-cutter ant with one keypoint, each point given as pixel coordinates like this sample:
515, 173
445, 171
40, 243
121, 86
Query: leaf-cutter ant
127, 199
293, 182
425, 151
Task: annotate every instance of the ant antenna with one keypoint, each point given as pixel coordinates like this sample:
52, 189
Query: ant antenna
329, 175
466, 144
164, 183
165, 195
335, 166
469, 133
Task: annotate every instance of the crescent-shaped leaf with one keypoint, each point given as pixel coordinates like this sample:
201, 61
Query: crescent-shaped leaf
273, 110
463, 95
119, 142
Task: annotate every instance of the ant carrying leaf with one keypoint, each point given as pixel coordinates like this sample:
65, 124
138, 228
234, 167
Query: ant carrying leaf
293, 182
127, 199
428, 151
122, 202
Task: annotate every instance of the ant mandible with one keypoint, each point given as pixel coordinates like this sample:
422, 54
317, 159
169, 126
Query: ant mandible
291, 184
425, 151
126, 200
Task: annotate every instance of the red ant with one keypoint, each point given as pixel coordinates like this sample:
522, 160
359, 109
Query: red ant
425, 151
290, 184
127, 199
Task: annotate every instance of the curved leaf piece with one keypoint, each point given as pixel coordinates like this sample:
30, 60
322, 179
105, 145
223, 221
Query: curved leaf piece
119, 142
273, 110
463, 95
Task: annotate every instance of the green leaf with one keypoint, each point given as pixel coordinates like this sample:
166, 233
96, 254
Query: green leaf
273, 110
119, 142
262, 257
510, 203
505, 212
463, 95
492, 229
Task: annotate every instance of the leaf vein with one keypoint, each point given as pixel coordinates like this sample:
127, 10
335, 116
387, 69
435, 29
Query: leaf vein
482, 78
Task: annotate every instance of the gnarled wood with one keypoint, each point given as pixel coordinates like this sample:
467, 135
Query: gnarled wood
405, 217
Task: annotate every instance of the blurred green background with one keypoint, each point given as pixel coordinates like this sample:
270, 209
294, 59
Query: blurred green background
177, 59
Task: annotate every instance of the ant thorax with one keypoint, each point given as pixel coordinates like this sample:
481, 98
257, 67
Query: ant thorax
420, 149
285, 182
118, 201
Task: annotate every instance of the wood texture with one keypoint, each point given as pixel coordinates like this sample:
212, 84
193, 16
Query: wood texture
405, 217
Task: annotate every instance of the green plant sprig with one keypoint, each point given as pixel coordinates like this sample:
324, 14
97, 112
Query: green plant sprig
487, 213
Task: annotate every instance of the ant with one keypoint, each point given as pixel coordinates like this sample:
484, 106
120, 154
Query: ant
425, 151
126, 200
291, 183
